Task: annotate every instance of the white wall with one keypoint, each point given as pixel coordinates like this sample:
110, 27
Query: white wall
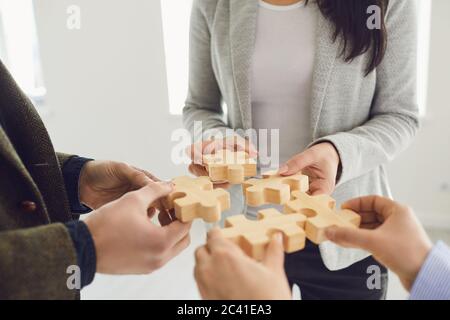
107, 93
421, 176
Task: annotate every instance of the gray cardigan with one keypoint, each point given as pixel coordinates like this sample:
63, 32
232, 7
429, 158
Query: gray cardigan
369, 119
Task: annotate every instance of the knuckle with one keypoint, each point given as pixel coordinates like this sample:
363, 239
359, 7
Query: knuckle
223, 253
131, 197
200, 273
122, 166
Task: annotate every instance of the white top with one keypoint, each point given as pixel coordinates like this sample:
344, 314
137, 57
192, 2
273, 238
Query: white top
281, 80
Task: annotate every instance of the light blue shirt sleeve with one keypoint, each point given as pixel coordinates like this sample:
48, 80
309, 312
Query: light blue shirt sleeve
433, 280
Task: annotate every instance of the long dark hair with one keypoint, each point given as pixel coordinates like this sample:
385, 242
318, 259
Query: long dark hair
350, 21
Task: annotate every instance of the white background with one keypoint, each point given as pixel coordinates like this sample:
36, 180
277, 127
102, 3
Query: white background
107, 98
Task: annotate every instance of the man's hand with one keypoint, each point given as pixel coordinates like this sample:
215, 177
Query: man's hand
391, 232
320, 163
104, 181
127, 241
224, 272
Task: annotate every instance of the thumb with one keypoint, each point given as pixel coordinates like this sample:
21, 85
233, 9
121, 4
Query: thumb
351, 237
176, 231
153, 191
297, 163
274, 258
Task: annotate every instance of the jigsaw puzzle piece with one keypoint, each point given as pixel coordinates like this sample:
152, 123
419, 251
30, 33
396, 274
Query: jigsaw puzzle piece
229, 166
195, 198
273, 188
321, 214
253, 236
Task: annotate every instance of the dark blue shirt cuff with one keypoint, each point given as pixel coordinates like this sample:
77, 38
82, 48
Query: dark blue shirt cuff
85, 249
71, 172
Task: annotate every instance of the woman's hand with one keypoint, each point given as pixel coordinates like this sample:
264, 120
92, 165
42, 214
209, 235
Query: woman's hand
320, 163
104, 181
224, 272
233, 143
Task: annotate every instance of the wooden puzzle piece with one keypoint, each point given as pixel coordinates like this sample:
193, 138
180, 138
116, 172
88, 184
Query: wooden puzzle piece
273, 188
194, 198
226, 165
321, 213
254, 236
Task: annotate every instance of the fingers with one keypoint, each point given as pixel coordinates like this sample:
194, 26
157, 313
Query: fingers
148, 174
198, 170
320, 187
152, 192
216, 241
274, 258
377, 204
201, 255
245, 145
297, 163
175, 232
233, 143
196, 151
135, 176
351, 237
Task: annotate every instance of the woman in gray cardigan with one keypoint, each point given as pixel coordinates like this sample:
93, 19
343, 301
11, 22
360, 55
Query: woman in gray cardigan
339, 82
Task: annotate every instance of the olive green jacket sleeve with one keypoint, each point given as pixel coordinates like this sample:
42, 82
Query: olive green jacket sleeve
34, 263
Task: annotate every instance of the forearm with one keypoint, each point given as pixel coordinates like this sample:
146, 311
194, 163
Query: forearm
373, 144
394, 115
203, 103
34, 263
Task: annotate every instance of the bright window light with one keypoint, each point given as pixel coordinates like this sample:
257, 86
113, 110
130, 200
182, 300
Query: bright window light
423, 54
19, 48
176, 17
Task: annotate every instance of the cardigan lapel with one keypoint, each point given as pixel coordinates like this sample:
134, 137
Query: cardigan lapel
327, 52
243, 19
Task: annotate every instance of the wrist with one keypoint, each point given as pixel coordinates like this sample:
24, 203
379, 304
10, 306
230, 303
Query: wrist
95, 232
85, 250
332, 153
416, 265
